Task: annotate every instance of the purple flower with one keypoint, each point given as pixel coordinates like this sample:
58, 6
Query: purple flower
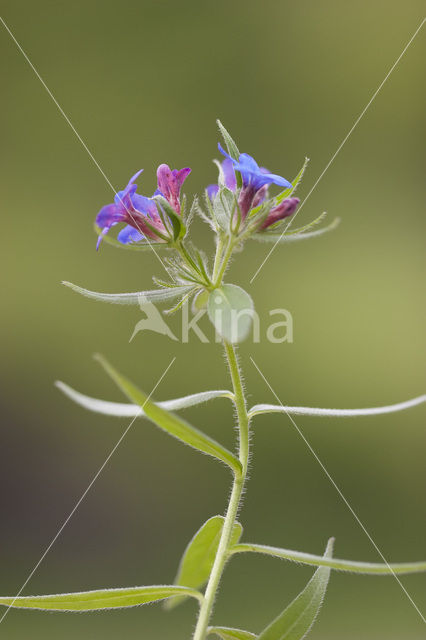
133, 209
139, 212
170, 183
228, 176
283, 210
255, 181
252, 174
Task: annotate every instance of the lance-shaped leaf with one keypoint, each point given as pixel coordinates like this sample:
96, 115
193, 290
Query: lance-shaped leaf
283, 225
230, 310
297, 619
229, 142
228, 633
171, 423
336, 413
283, 237
98, 600
353, 566
294, 183
198, 558
126, 410
138, 297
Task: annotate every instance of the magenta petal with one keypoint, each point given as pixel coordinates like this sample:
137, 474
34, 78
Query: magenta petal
181, 175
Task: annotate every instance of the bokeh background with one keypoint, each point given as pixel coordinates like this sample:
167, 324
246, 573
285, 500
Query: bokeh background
143, 83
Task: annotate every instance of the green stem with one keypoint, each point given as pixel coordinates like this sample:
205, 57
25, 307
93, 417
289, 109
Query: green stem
235, 498
220, 271
218, 257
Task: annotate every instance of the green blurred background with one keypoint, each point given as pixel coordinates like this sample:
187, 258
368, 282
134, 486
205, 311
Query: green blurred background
143, 83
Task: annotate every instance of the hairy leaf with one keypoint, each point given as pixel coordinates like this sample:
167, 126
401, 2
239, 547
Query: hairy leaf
223, 207
297, 619
338, 413
229, 142
294, 183
126, 410
283, 237
227, 633
198, 558
171, 423
230, 309
138, 297
367, 568
98, 600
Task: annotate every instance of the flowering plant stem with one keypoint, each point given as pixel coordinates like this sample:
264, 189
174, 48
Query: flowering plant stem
239, 207
235, 498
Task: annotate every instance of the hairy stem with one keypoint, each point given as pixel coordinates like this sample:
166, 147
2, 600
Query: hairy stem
234, 500
224, 264
218, 257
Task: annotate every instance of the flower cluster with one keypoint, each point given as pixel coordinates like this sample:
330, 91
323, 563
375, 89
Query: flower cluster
145, 219
254, 191
141, 214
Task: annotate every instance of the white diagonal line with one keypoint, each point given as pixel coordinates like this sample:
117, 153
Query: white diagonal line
80, 139
339, 491
78, 503
341, 145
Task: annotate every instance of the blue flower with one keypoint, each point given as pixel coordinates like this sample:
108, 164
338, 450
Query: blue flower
253, 175
228, 177
139, 212
133, 209
255, 181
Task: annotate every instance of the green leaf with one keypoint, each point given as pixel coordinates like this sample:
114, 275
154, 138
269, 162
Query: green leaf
293, 236
198, 558
288, 192
230, 309
258, 409
138, 297
126, 410
224, 207
367, 568
200, 301
169, 422
297, 619
229, 142
179, 228
226, 633
98, 600
282, 225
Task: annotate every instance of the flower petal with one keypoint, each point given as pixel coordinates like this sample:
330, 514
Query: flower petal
212, 190
129, 235
229, 174
181, 175
109, 215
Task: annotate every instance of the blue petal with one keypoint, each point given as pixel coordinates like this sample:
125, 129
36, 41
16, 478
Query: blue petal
212, 190
120, 196
143, 204
281, 182
248, 162
253, 174
222, 150
109, 215
129, 234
